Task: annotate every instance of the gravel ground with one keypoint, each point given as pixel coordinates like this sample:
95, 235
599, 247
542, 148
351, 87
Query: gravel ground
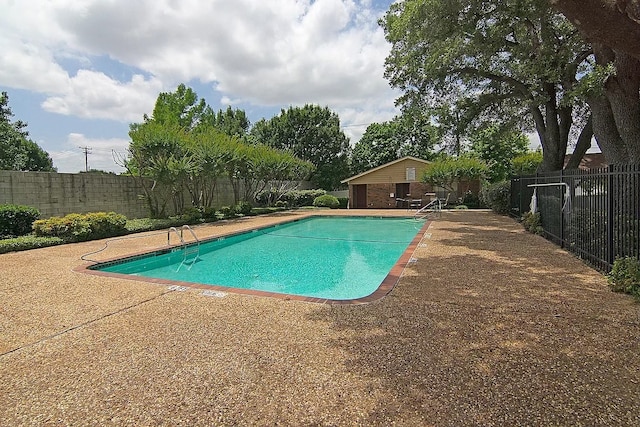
491, 326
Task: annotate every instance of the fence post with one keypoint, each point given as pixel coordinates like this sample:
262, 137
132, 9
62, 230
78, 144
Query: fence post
610, 215
562, 204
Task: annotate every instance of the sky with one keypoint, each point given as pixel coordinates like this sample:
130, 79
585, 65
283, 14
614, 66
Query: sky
80, 71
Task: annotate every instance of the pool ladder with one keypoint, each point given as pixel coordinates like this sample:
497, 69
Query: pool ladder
190, 251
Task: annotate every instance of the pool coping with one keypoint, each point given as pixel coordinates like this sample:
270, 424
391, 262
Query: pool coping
386, 286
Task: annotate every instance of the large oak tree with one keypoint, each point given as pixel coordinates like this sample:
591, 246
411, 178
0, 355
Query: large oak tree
612, 90
512, 61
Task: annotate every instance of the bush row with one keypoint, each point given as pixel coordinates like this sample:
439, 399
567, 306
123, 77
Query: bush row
24, 243
82, 227
292, 199
17, 220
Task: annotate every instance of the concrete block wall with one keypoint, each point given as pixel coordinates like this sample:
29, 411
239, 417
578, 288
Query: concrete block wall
59, 194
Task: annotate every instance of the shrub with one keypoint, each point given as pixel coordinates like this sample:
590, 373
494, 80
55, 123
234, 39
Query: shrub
625, 276
81, 227
227, 212
497, 196
149, 224
209, 214
326, 201
532, 223
471, 200
282, 204
300, 198
24, 243
526, 164
106, 224
191, 215
243, 208
344, 202
17, 220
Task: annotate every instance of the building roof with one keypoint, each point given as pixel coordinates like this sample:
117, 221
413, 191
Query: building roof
590, 161
384, 166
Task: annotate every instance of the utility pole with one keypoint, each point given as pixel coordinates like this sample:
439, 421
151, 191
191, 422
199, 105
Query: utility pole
87, 151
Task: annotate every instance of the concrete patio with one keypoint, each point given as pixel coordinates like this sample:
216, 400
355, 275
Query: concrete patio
492, 326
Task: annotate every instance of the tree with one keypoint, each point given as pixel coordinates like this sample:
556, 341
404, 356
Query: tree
497, 147
311, 133
230, 122
510, 61
612, 23
527, 163
17, 151
380, 144
405, 135
447, 171
185, 148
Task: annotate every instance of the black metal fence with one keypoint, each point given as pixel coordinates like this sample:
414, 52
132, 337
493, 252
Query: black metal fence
592, 213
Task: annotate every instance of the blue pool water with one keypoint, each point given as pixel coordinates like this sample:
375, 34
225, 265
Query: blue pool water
337, 258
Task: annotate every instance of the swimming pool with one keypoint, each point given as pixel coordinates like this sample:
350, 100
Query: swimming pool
321, 257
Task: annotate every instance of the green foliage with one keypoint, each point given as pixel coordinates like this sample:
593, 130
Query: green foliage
17, 220
311, 133
472, 61
24, 243
379, 145
266, 211
526, 164
497, 146
385, 142
191, 215
139, 225
228, 212
471, 200
625, 276
209, 214
326, 201
233, 123
17, 151
344, 202
82, 227
445, 172
532, 223
243, 208
299, 198
184, 148
497, 196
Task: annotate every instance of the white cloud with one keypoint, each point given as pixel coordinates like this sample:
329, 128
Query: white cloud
102, 154
29, 66
93, 95
266, 53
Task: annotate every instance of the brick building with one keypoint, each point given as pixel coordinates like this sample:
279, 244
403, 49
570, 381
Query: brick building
398, 184
389, 185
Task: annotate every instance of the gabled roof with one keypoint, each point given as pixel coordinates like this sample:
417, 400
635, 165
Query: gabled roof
384, 166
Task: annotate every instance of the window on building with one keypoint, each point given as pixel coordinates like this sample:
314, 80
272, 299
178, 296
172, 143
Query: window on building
411, 174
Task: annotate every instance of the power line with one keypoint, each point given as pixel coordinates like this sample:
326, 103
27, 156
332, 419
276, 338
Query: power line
87, 151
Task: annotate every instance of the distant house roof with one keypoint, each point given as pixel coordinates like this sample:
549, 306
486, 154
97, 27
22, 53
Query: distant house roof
384, 166
590, 161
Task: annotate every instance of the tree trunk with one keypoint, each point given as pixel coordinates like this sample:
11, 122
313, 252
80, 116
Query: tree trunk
616, 113
614, 23
623, 93
583, 144
553, 129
